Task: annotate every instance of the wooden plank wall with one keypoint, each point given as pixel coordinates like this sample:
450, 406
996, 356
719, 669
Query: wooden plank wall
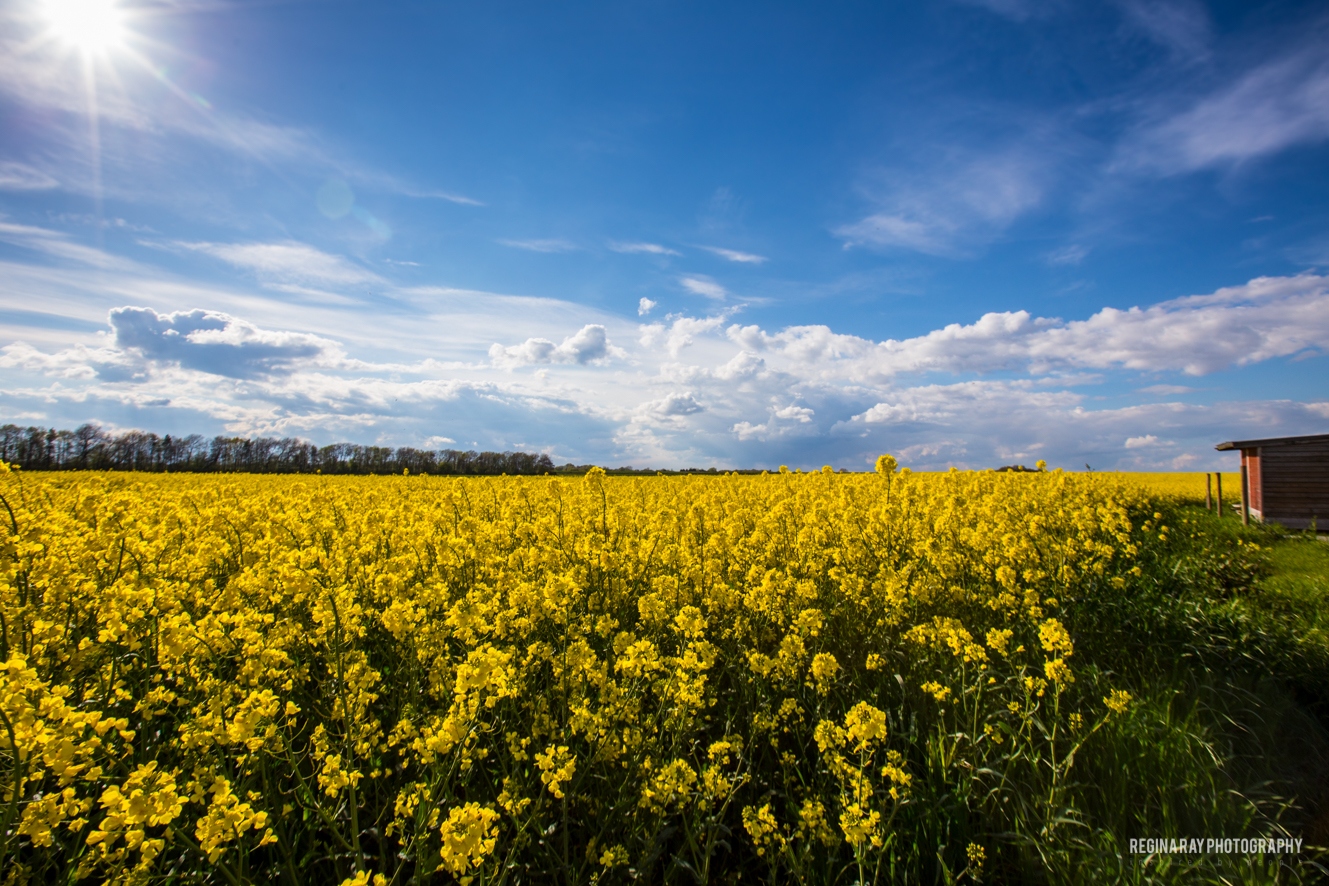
1294, 484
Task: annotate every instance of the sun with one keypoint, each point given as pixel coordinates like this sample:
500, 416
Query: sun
92, 26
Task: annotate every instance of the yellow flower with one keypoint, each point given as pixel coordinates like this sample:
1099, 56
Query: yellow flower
613, 857
557, 766
1058, 672
865, 725
468, 837
762, 828
1118, 700
824, 669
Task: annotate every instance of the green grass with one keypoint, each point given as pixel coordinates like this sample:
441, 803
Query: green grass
1225, 640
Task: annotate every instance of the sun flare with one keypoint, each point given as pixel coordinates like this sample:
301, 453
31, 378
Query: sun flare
93, 26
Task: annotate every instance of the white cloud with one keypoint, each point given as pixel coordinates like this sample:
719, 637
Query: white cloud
1141, 442
676, 404
700, 285
744, 365
645, 306
736, 256
679, 333
216, 343
1181, 26
144, 342
682, 390
443, 195
22, 177
1273, 106
60, 245
549, 246
957, 204
784, 422
287, 261
1068, 255
1166, 390
796, 413
1018, 10
588, 345
1197, 335
648, 248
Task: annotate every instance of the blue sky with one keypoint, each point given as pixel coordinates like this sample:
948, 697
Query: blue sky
671, 234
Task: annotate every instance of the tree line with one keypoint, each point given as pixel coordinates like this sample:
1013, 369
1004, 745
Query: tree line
88, 447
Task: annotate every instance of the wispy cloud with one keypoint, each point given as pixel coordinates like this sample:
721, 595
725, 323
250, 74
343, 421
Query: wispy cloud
1181, 26
60, 245
22, 177
645, 306
1165, 390
287, 261
550, 245
444, 195
699, 285
1018, 10
954, 206
647, 248
736, 256
1273, 106
1068, 255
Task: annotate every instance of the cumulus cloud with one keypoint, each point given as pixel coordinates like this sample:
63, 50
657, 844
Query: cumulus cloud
590, 344
783, 421
941, 404
1196, 335
799, 414
679, 333
744, 365
144, 343
217, 343
676, 404
645, 306
699, 285
706, 390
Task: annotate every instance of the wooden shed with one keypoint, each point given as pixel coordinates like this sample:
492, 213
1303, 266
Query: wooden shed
1286, 479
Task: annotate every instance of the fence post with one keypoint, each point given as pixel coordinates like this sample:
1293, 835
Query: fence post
1218, 479
1208, 491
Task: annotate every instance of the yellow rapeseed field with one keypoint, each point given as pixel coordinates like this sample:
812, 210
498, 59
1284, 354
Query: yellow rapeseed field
1187, 486
401, 679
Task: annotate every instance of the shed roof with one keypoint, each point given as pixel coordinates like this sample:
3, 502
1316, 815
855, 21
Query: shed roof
1272, 441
